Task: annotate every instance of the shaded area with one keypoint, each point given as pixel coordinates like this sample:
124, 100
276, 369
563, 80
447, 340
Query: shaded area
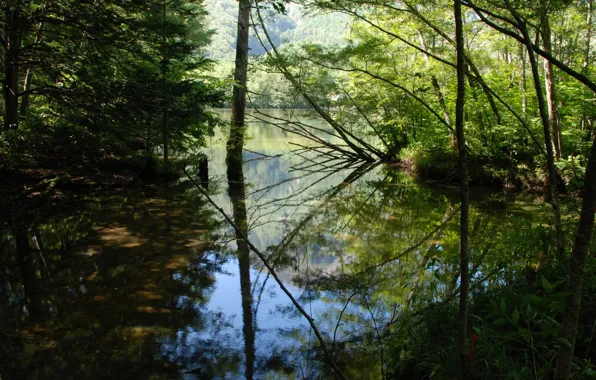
98, 288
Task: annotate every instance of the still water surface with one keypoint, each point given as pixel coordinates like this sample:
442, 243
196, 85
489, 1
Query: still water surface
151, 282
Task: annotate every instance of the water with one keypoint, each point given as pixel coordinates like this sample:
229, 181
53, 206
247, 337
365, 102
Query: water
151, 282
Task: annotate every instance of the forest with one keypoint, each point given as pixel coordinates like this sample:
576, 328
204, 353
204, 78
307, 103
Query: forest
298, 189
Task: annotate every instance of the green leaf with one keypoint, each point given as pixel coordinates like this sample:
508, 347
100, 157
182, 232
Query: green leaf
493, 303
499, 322
515, 315
564, 341
503, 305
548, 287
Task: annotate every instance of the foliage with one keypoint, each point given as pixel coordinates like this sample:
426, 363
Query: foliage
102, 74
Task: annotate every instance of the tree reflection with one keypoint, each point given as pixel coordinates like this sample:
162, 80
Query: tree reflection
238, 197
146, 279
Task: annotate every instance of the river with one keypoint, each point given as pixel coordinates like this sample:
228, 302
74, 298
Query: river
152, 282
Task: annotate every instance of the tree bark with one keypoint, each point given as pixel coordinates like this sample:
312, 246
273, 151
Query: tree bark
550, 158
522, 82
10, 105
588, 36
166, 126
587, 120
236, 139
551, 92
464, 190
576, 268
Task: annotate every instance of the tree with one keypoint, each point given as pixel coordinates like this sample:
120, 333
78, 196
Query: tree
464, 188
100, 69
236, 139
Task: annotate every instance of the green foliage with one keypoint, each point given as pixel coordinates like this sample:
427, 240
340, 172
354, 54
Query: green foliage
286, 23
98, 76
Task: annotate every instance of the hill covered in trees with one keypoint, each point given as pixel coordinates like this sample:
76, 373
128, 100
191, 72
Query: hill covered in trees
297, 26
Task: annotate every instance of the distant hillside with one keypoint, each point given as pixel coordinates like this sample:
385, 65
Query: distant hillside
295, 27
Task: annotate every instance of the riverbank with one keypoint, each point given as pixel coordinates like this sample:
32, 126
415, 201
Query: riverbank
519, 174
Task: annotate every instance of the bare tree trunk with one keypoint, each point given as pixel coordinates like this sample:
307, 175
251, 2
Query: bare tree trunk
166, 127
588, 36
464, 190
576, 268
26, 88
551, 92
236, 139
550, 158
29, 77
586, 121
10, 105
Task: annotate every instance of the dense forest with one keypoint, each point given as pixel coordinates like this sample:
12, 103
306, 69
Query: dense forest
351, 189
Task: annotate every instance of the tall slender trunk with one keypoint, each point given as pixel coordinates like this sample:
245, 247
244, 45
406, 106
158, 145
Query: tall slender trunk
10, 105
586, 120
550, 158
236, 139
551, 92
522, 81
29, 77
588, 36
576, 268
464, 189
166, 106
236, 180
26, 88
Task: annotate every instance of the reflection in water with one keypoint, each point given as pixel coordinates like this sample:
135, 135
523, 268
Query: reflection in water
362, 248
238, 197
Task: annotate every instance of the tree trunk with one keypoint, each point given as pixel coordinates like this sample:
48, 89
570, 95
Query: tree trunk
26, 87
236, 139
588, 36
11, 70
464, 190
29, 77
550, 158
576, 268
551, 93
522, 82
586, 120
486, 90
166, 126
439, 94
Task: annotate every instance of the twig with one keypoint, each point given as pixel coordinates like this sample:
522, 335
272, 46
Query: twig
339, 319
